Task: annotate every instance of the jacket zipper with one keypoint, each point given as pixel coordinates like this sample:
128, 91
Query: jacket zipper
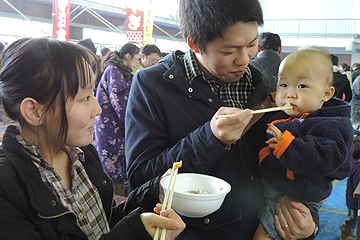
56, 216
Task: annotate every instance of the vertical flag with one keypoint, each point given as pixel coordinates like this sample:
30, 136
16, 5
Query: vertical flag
134, 22
61, 19
149, 22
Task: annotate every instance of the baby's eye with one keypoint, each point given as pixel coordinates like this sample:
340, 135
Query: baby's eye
302, 86
283, 85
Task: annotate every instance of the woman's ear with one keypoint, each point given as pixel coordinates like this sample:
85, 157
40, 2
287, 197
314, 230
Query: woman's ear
192, 45
128, 56
329, 93
32, 111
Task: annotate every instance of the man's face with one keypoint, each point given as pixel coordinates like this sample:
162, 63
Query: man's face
150, 60
225, 59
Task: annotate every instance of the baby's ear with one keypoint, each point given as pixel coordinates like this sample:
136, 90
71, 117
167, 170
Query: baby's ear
32, 111
329, 93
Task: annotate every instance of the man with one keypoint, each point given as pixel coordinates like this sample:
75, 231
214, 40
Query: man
172, 114
269, 49
355, 71
150, 55
340, 81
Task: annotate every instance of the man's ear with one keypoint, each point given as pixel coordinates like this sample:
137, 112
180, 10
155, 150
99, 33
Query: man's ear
32, 111
279, 50
143, 56
329, 93
192, 45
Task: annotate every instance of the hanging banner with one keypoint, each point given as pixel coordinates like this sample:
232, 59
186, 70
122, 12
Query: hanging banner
61, 19
134, 22
149, 22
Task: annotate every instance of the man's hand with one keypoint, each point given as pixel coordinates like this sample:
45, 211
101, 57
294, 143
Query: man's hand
229, 129
293, 220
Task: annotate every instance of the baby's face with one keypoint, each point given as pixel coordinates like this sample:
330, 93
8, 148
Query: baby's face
302, 84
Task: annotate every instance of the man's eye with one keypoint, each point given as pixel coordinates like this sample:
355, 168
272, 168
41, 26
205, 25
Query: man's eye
228, 53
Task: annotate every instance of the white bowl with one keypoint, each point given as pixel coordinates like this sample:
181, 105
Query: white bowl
197, 205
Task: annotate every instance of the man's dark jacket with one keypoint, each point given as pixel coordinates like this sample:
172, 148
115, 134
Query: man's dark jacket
268, 61
355, 74
342, 86
167, 120
28, 209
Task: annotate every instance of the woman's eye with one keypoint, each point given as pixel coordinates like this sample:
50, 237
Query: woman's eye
86, 99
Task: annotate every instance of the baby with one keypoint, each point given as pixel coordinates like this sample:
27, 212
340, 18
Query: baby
309, 145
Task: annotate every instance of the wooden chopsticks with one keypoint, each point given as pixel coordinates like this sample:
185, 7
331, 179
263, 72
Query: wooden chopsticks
168, 197
259, 111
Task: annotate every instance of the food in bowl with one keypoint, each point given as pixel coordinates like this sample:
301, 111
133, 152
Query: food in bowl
201, 192
197, 195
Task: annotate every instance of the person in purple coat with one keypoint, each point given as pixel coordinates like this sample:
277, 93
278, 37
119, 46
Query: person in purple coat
347, 228
112, 95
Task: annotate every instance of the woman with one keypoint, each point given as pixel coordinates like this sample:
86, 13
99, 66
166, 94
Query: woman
112, 95
52, 184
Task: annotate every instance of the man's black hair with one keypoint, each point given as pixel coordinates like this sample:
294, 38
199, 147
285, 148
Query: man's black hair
269, 41
205, 20
334, 59
149, 49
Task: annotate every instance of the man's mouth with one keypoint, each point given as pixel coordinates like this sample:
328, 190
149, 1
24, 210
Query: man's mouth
239, 73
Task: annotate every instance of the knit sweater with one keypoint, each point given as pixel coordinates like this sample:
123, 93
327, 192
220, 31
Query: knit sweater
312, 152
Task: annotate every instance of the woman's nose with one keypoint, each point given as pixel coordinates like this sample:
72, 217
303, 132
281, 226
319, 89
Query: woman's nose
96, 108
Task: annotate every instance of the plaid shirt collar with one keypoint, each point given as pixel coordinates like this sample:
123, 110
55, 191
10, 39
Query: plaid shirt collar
34, 153
232, 94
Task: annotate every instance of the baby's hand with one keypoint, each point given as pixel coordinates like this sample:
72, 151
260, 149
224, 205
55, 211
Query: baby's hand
272, 130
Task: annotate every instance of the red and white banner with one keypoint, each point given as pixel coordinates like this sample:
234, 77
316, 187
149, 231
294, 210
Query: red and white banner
61, 19
134, 23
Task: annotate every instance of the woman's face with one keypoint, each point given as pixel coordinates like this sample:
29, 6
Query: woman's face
81, 112
342, 70
132, 62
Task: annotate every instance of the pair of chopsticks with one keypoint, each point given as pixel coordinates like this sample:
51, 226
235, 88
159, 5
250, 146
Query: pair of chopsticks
168, 197
259, 111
